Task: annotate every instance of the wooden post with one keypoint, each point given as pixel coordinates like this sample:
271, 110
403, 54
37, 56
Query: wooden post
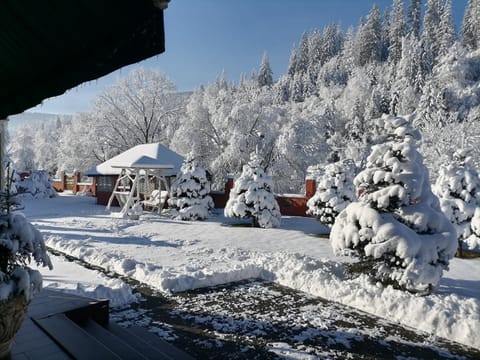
310, 188
229, 186
3, 129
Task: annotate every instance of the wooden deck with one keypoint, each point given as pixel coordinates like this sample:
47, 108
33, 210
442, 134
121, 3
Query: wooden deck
63, 326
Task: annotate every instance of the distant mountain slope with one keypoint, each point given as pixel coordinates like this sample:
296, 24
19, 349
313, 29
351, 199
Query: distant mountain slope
29, 118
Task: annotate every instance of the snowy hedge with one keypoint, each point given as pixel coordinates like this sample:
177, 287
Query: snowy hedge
396, 227
252, 196
189, 194
334, 192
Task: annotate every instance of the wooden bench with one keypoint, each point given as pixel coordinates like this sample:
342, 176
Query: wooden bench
156, 200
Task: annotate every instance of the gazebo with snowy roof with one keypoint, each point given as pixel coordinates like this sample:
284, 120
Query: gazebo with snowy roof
131, 176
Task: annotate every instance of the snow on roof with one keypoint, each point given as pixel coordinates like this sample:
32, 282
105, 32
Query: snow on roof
146, 156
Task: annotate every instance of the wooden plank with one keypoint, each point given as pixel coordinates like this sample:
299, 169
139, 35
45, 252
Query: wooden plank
152, 346
49, 302
73, 339
111, 341
33, 343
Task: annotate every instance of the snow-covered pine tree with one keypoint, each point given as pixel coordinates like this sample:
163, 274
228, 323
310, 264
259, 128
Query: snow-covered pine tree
396, 31
189, 194
448, 35
334, 192
431, 26
315, 51
406, 80
302, 55
396, 227
414, 15
252, 196
368, 42
297, 91
471, 25
265, 74
458, 187
292, 62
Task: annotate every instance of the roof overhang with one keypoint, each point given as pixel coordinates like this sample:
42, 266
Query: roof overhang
145, 156
48, 47
153, 167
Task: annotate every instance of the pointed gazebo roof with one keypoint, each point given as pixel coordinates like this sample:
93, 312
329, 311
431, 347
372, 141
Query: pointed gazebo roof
146, 156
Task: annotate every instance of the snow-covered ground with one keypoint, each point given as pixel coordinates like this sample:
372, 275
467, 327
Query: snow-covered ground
71, 277
171, 256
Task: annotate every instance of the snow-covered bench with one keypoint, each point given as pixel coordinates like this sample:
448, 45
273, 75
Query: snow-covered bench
156, 200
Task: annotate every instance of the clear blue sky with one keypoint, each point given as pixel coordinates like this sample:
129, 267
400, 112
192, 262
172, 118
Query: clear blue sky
204, 37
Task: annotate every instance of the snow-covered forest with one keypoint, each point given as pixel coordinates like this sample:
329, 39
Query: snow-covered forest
410, 59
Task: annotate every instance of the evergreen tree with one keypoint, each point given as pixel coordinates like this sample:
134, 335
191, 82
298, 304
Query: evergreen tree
302, 59
431, 26
406, 81
265, 74
458, 187
252, 196
282, 90
308, 81
396, 31
349, 53
334, 192
369, 38
385, 36
471, 25
433, 106
396, 227
414, 17
427, 61
448, 36
331, 42
189, 195
292, 63
297, 88
316, 51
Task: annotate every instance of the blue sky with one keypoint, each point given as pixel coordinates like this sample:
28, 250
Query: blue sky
206, 37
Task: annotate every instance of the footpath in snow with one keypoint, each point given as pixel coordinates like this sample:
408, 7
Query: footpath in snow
173, 256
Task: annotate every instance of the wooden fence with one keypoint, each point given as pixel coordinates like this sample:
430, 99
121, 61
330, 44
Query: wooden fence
74, 184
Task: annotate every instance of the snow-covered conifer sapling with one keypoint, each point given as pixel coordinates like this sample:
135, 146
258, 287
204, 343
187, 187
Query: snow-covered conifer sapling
458, 188
334, 192
396, 228
252, 196
189, 194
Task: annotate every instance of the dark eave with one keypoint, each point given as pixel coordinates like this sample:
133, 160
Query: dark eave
48, 47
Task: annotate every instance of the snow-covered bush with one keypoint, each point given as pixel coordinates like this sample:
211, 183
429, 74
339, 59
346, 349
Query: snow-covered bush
189, 195
334, 192
458, 188
37, 184
20, 241
252, 196
396, 227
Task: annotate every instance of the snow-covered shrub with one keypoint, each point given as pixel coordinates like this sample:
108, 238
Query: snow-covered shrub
458, 188
20, 241
189, 195
472, 242
37, 184
252, 196
396, 227
334, 192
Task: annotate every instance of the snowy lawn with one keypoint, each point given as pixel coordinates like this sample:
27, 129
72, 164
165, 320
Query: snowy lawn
173, 256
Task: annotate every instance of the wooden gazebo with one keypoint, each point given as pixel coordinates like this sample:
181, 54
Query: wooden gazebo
131, 176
